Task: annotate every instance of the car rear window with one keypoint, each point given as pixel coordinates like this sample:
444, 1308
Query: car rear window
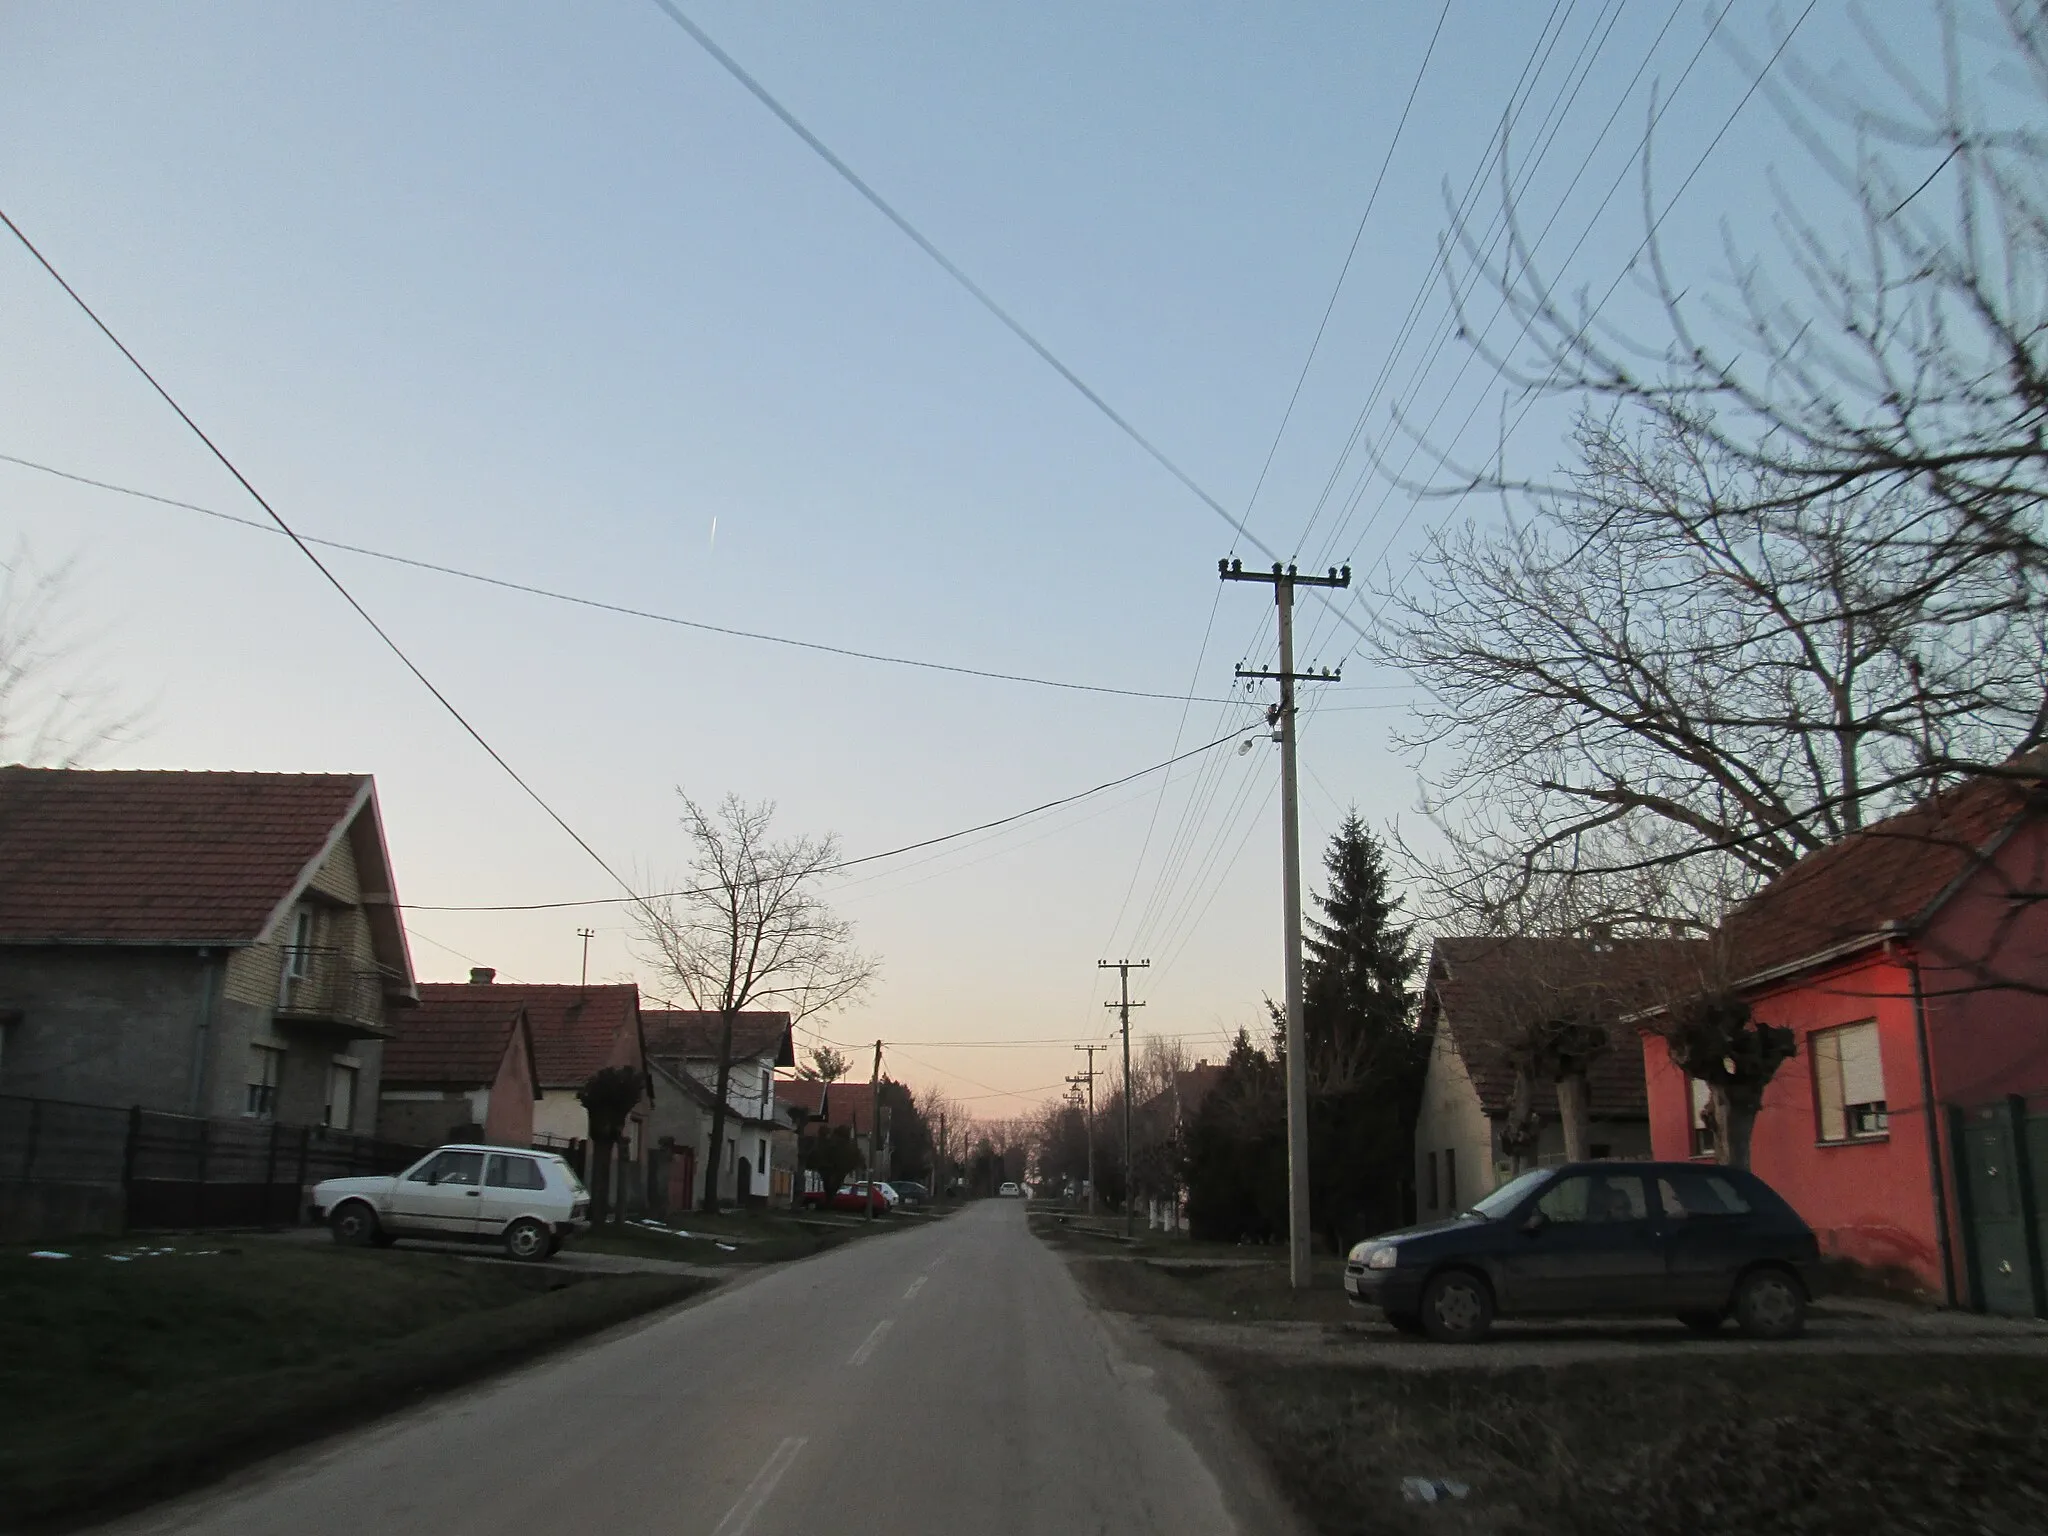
1685, 1192
514, 1173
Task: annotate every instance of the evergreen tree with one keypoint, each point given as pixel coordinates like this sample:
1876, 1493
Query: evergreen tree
1234, 1152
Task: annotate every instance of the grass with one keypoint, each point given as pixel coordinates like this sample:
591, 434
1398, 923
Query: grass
748, 1237
121, 1381
1174, 1277
1821, 1446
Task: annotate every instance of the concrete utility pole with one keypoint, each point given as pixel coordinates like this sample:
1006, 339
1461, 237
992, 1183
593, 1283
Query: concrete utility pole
586, 935
1090, 1076
874, 1129
1123, 968
1284, 581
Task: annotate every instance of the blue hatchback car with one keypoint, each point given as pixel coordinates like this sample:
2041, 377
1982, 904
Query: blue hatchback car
1700, 1243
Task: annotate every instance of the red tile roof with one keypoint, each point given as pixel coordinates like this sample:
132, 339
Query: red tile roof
1886, 878
1483, 991
850, 1104
453, 1040
692, 1034
91, 857
576, 1029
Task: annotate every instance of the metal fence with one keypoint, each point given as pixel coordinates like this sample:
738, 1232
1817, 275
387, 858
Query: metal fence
164, 1170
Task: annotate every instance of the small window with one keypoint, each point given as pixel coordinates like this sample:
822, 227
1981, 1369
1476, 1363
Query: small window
1590, 1197
1848, 1083
1702, 1117
1451, 1177
464, 1168
514, 1173
1432, 1180
298, 954
341, 1095
266, 1069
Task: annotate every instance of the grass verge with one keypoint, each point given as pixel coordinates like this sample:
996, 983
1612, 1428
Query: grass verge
1807, 1446
736, 1237
124, 1380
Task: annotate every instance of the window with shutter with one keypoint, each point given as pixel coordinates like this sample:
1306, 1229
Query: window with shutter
1848, 1083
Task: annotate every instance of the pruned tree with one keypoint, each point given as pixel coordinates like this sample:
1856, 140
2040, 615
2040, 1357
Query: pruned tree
608, 1098
751, 931
56, 710
824, 1064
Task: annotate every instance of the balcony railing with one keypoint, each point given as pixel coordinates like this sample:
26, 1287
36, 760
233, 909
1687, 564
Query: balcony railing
331, 986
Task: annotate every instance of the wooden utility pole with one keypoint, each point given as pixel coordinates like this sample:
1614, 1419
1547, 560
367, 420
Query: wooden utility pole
1284, 580
874, 1129
1090, 1078
586, 935
1123, 968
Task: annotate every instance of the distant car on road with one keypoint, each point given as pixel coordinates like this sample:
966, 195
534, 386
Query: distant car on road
1701, 1243
1010, 1189
529, 1202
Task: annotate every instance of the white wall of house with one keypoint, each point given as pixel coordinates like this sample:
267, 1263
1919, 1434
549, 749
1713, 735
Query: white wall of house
558, 1112
1453, 1137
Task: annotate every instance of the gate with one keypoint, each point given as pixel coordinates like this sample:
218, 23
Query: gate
2001, 1159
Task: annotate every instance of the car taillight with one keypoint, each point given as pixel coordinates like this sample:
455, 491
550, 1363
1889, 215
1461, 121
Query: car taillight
578, 1211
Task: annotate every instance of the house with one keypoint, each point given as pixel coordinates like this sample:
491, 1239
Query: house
218, 944
1159, 1121
576, 1032
461, 1068
814, 1107
1479, 995
683, 1045
1910, 962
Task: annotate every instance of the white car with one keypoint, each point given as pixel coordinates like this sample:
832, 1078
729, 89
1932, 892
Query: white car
528, 1201
1011, 1189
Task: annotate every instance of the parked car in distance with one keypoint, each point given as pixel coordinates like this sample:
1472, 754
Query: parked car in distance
526, 1201
856, 1198
1700, 1243
911, 1192
1010, 1189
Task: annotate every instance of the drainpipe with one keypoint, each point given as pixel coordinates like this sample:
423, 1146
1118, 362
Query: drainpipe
203, 1033
1934, 1174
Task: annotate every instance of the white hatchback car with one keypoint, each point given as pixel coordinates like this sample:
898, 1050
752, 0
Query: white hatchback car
527, 1201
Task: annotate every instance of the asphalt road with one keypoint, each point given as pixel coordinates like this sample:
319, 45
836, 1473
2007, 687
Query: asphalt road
948, 1378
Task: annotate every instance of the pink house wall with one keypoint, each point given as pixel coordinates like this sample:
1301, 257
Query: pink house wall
508, 1122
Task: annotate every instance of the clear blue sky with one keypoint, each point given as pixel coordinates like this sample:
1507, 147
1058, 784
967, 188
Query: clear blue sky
541, 292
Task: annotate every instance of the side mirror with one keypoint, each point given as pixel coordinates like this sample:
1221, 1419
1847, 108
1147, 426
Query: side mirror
1535, 1223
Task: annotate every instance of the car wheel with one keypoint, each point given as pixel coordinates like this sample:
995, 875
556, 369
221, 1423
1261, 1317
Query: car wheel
1405, 1322
1701, 1322
354, 1225
1769, 1305
528, 1240
1457, 1308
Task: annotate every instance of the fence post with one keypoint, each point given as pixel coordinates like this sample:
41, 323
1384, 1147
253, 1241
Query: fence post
270, 1174
35, 1128
299, 1191
129, 1151
199, 1184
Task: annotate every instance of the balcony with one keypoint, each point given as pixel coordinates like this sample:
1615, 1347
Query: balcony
333, 989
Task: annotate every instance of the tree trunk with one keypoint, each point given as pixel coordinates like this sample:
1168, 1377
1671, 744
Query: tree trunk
1520, 1133
600, 1182
1575, 1117
1734, 1119
716, 1151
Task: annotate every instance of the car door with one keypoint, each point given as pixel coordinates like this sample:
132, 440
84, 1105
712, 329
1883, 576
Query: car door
1587, 1245
1706, 1234
441, 1197
514, 1186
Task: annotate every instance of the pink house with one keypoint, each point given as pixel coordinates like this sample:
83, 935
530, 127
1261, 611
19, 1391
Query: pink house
1910, 960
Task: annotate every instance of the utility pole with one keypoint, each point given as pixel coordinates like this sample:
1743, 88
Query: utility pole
874, 1128
939, 1162
1284, 580
1123, 968
586, 935
1091, 1050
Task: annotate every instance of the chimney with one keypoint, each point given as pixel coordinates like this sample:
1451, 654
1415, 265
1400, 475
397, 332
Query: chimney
482, 976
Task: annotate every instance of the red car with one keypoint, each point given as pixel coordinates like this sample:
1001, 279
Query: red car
856, 1198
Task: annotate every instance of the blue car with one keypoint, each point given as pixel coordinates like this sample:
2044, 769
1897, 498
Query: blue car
1701, 1243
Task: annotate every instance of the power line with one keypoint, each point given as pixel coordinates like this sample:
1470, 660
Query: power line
306, 549
952, 269
866, 858
600, 604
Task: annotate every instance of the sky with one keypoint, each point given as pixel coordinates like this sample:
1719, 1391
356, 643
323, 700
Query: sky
542, 293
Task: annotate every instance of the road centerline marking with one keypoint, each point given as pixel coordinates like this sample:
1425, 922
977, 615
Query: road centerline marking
915, 1286
868, 1345
741, 1515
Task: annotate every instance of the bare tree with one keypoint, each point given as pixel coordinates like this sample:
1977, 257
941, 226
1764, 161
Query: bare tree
751, 932
824, 1064
55, 710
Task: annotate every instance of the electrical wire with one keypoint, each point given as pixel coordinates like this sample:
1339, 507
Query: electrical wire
318, 564
598, 603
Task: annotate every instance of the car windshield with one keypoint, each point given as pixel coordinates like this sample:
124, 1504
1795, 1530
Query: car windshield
1508, 1196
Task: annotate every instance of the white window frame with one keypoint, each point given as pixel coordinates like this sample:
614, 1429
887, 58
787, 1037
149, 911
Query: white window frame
298, 950
1701, 1098
261, 1088
1844, 1109
335, 1070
